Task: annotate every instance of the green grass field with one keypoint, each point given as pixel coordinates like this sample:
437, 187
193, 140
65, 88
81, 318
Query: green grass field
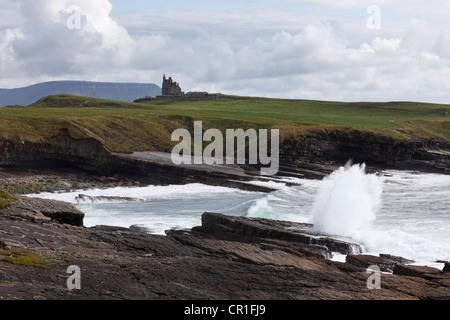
127, 126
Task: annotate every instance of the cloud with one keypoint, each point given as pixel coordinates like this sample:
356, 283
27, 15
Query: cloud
276, 53
45, 45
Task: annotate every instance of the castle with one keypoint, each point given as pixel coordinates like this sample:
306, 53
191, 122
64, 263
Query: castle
171, 90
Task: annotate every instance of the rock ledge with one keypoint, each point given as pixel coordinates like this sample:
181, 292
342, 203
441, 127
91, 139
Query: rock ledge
227, 258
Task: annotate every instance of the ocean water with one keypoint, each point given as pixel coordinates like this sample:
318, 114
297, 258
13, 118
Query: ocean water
401, 213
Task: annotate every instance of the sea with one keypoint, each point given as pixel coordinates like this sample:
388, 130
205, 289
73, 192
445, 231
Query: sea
402, 213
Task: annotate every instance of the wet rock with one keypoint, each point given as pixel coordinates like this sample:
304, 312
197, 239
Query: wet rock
139, 228
362, 261
59, 211
93, 199
385, 262
43, 210
257, 230
391, 259
417, 271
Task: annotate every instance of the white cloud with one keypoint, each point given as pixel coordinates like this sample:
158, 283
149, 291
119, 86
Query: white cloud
275, 53
386, 46
44, 46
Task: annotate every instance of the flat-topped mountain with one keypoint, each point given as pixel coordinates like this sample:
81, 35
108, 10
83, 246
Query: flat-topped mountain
101, 90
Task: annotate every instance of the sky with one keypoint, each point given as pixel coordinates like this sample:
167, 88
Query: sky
350, 50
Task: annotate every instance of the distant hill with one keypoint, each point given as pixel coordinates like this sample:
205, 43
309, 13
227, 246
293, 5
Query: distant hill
101, 90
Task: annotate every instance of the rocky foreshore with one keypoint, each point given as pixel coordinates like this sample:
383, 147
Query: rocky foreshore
225, 258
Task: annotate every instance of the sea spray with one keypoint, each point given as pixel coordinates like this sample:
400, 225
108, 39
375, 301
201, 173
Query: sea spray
347, 201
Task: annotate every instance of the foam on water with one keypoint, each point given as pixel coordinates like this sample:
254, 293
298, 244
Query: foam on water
414, 220
147, 193
157, 208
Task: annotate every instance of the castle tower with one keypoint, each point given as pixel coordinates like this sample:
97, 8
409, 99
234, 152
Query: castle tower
170, 88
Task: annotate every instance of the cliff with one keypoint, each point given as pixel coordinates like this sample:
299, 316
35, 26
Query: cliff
319, 156
338, 146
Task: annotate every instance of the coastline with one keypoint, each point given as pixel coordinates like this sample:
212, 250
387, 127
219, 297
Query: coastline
212, 261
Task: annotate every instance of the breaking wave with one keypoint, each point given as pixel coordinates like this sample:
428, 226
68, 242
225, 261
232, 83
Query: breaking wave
347, 201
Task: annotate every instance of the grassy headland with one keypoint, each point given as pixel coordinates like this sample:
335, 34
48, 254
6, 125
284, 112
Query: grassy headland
129, 126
